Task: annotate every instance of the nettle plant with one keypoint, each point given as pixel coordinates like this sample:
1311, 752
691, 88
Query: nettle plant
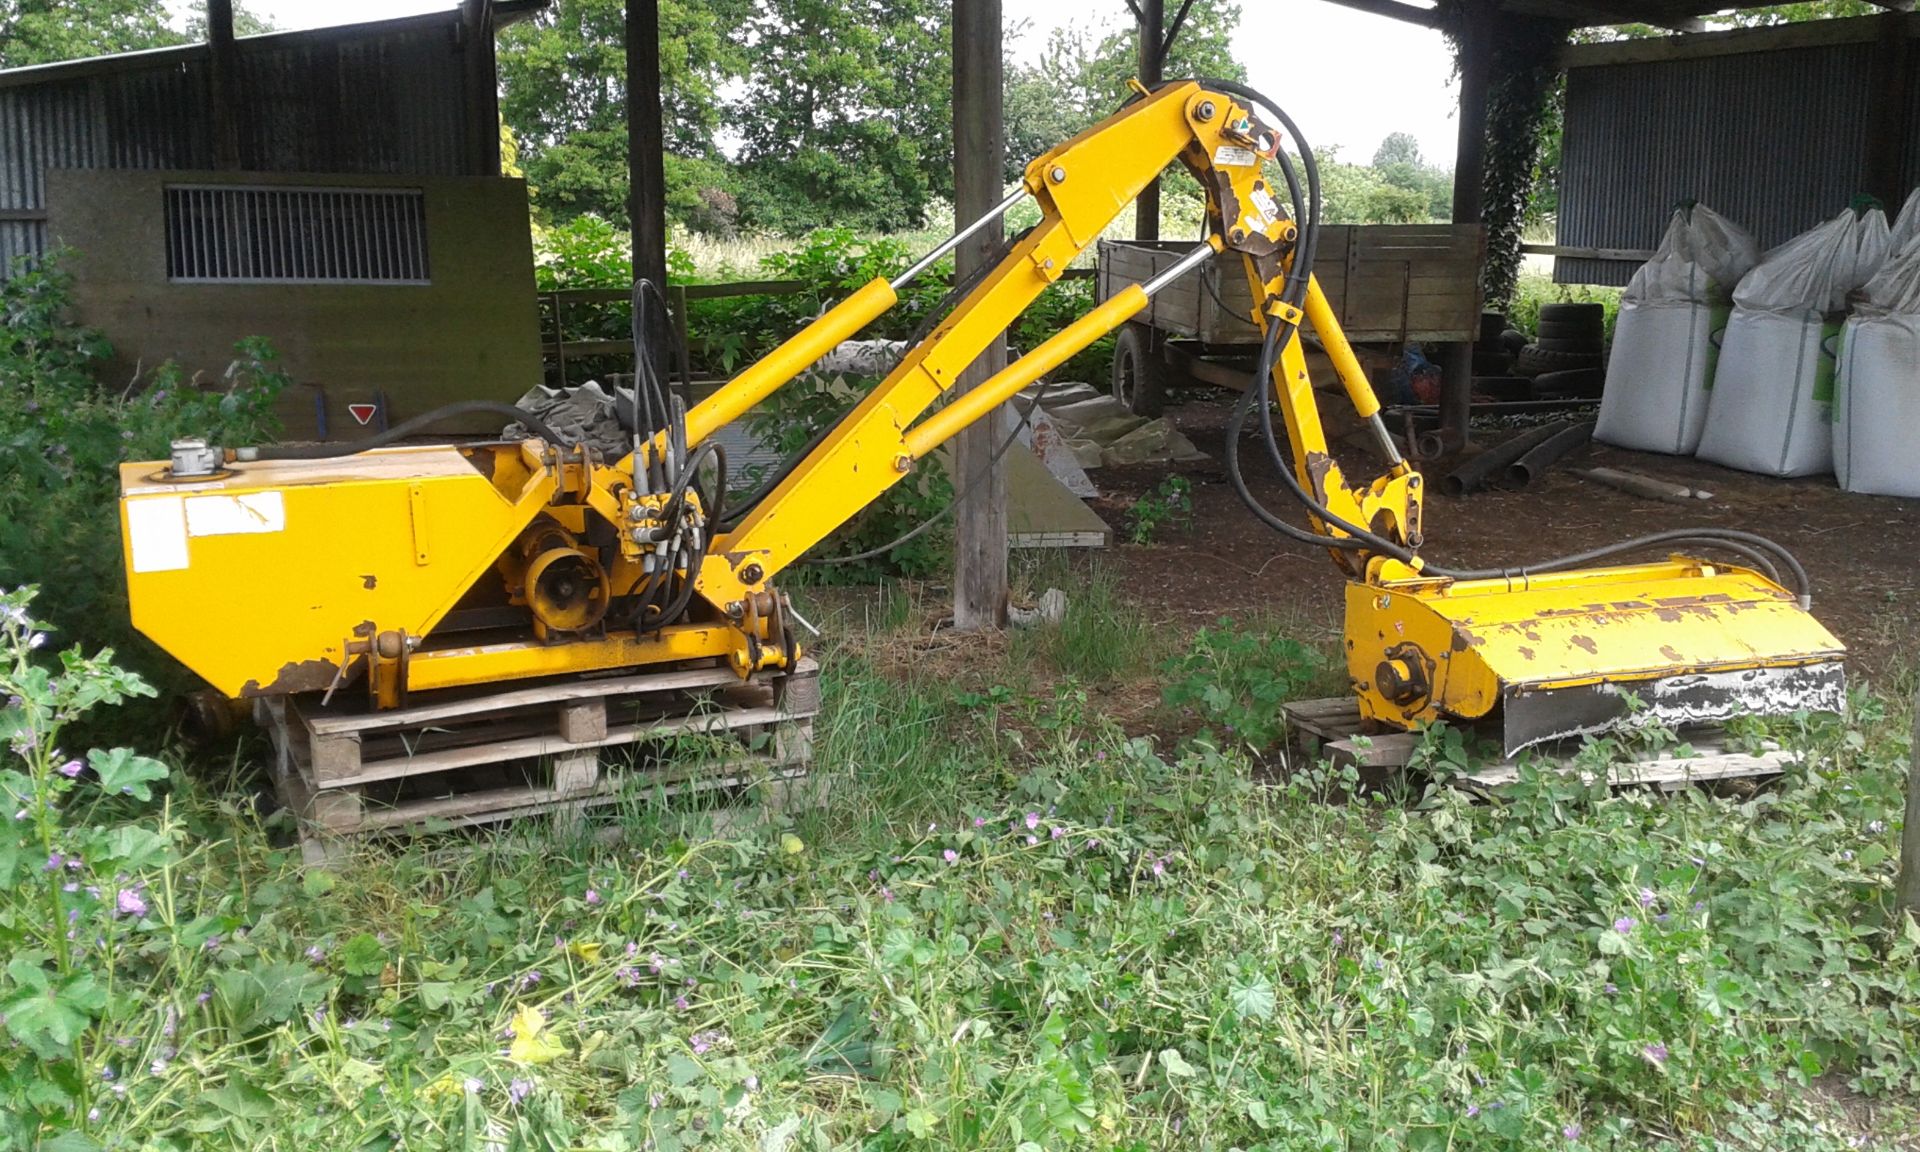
73, 881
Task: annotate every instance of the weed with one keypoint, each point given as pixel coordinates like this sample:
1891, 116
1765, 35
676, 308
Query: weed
1102, 637
1235, 680
1170, 502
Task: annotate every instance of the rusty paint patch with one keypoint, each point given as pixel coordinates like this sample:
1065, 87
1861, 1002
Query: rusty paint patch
1692, 601
368, 581
1585, 644
294, 676
1672, 653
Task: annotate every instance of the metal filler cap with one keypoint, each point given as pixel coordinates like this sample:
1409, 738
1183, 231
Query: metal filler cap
192, 457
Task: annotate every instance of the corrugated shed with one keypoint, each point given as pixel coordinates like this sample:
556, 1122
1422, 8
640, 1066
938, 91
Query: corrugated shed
1773, 140
375, 98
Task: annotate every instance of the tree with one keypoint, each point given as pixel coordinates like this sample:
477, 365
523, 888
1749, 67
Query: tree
563, 93
1082, 76
846, 113
1398, 148
44, 31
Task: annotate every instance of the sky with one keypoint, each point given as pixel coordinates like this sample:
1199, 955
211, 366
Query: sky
1347, 78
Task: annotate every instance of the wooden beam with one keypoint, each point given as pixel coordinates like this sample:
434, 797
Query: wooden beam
1395, 10
1889, 113
1732, 42
223, 98
480, 103
1150, 59
979, 146
1574, 252
646, 162
1478, 28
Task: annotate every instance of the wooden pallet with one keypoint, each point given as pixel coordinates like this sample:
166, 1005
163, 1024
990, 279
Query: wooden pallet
466, 757
1333, 728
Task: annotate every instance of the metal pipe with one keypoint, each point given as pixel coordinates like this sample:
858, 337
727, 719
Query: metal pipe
957, 239
1535, 463
1474, 474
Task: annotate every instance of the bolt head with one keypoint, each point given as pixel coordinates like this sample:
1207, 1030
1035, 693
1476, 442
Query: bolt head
1057, 174
1205, 110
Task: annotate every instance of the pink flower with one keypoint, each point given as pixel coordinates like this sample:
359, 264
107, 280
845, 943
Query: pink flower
1058, 832
1033, 821
1623, 925
1654, 1054
593, 897
128, 903
70, 769
979, 821
950, 855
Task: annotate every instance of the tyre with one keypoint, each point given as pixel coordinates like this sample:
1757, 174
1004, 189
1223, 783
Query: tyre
1491, 325
1139, 371
1535, 360
1491, 363
1513, 340
1503, 388
1590, 345
1573, 314
1566, 330
1574, 384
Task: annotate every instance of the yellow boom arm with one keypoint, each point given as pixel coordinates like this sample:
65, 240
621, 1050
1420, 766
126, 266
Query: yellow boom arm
1081, 186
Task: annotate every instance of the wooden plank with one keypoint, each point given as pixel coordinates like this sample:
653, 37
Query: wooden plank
1731, 42
497, 804
1668, 773
11, 215
556, 692
532, 747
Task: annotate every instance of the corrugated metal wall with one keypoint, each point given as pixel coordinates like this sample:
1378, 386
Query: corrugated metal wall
372, 98
1773, 140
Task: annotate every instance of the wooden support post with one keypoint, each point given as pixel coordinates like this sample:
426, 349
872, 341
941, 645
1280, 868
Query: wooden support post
1151, 59
1906, 892
480, 94
223, 97
979, 137
646, 162
1469, 171
1890, 79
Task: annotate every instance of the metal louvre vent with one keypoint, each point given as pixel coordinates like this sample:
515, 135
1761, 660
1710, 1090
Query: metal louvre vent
228, 234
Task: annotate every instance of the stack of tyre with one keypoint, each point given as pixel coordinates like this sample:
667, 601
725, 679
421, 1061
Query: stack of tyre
1566, 359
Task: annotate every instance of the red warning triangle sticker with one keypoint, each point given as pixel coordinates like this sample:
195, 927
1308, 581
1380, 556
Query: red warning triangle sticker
363, 412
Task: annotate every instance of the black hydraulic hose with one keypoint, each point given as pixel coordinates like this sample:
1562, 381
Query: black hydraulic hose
408, 428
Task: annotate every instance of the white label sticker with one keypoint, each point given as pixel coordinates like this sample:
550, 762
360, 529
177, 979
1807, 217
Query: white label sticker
234, 515
1234, 156
1268, 208
157, 534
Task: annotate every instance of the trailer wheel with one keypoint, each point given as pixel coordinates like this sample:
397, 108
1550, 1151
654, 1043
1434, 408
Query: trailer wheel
1139, 371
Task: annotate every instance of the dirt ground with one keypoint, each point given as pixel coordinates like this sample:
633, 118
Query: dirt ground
1860, 551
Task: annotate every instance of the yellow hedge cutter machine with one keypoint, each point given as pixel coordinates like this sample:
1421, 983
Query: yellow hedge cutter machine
302, 568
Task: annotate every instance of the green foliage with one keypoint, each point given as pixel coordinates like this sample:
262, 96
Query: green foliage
1081, 75
845, 115
1170, 502
563, 94
1103, 638
1235, 680
1013, 928
44, 31
1532, 289
62, 440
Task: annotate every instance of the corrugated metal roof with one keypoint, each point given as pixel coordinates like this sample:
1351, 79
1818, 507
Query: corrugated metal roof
1775, 141
371, 98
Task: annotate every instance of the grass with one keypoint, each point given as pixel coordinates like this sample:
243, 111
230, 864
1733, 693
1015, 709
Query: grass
1017, 927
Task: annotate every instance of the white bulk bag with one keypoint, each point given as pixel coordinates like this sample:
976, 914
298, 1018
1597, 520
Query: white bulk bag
1906, 225
1770, 406
1665, 339
1877, 385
